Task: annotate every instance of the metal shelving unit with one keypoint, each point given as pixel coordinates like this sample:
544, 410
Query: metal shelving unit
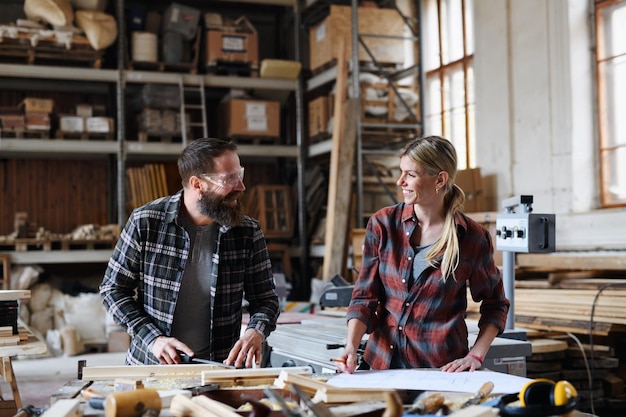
122, 149
329, 75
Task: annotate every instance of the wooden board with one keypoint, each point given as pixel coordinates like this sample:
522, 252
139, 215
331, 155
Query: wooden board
548, 345
10, 295
94, 373
331, 265
573, 260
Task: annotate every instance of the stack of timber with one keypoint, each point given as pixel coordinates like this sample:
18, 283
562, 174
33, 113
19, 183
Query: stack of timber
145, 183
559, 292
565, 296
597, 377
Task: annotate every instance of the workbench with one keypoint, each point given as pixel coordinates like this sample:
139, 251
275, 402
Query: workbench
317, 338
340, 401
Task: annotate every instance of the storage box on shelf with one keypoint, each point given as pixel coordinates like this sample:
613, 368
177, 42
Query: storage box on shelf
232, 47
381, 104
470, 181
250, 118
177, 54
319, 115
325, 36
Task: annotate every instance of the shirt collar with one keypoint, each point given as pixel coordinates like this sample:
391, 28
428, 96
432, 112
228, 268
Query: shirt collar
459, 218
172, 208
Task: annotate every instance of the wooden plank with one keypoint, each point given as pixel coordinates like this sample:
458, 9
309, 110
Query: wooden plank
12, 295
32, 346
64, 408
248, 377
305, 383
337, 245
93, 373
340, 95
572, 326
573, 260
548, 345
349, 395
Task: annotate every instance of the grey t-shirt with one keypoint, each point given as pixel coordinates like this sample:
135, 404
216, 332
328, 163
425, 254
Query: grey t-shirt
192, 317
419, 263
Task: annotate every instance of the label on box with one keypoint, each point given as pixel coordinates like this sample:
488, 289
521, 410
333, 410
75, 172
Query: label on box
71, 124
320, 32
98, 125
232, 43
257, 123
255, 109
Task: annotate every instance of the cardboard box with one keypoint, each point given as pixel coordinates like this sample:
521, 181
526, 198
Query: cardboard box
325, 36
99, 124
319, 114
12, 120
72, 124
280, 68
38, 105
85, 110
470, 181
245, 117
37, 120
235, 41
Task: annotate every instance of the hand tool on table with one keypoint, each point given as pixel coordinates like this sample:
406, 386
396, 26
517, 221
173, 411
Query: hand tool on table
284, 407
428, 404
94, 398
480, 395
29, 411
318, 409
192, 360
134, 403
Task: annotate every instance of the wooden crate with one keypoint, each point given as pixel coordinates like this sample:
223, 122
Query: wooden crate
386, 97
470, 181
325, 36
271, 206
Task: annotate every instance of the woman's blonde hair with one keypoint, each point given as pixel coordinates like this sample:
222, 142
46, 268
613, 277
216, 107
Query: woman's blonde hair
436, 154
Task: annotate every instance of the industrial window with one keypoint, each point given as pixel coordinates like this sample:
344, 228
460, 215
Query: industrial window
448, 65
611, 84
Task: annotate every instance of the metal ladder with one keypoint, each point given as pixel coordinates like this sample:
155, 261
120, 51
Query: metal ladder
195, 106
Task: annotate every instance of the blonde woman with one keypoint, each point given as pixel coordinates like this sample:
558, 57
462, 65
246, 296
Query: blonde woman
419, 257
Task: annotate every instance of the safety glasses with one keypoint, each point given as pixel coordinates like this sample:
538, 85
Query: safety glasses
225, 180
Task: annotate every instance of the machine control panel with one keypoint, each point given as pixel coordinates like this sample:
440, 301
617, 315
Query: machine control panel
525, 232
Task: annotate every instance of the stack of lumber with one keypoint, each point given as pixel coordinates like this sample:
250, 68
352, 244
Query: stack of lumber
567, 295
557, 356
558, 292
145, 184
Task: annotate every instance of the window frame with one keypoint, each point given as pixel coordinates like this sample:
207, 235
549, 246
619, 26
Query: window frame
444, 110
608, 144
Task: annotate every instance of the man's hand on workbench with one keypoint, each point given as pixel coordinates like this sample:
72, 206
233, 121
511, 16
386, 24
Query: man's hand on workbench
247, 350
166, 350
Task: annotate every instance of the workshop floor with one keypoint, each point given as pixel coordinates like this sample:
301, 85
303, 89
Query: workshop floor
38, 379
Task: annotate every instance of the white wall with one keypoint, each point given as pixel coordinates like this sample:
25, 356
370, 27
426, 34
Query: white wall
535, 108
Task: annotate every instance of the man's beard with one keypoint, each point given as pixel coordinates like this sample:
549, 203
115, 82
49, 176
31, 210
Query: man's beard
218, 208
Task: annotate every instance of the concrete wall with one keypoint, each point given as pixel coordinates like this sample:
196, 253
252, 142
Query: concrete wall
535, 125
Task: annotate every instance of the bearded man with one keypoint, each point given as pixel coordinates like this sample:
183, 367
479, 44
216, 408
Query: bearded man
183, 263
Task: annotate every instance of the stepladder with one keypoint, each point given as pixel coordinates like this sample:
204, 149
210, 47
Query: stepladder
193, 117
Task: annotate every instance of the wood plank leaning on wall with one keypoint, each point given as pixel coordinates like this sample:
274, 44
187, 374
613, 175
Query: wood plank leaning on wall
340, 175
